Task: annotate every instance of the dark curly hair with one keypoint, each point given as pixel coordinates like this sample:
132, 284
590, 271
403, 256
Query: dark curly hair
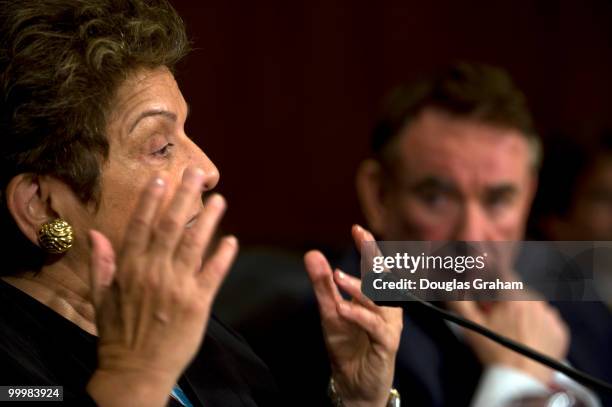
471, 90
61, 63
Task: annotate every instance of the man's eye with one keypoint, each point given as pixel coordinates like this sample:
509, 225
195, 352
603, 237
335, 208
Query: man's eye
499, 201
434, 198
164, 151
499, 205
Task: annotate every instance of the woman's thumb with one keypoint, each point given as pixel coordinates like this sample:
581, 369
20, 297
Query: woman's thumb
101, 265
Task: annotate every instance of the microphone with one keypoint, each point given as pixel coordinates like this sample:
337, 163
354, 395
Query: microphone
579, 376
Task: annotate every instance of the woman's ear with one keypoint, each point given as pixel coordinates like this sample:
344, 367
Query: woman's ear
28, 201
370, 191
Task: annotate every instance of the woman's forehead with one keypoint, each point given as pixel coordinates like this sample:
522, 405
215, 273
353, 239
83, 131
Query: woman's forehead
146, 84
146, 89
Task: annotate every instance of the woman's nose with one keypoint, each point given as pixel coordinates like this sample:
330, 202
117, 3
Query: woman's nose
200, 160
211, 175
211, 178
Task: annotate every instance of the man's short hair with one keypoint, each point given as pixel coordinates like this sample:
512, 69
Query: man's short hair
476, 91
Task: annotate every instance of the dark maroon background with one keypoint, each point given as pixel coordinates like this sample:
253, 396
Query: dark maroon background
283, 93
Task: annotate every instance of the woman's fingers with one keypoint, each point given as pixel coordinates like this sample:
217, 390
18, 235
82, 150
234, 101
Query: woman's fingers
361, 236
372, 313
138, 232
325, 289
217, 266
101, 265
155, 310
366, 244
194, 241
366, 319
171, 226
352, 286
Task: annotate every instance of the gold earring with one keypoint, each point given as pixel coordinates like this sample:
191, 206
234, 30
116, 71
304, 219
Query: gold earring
55, 236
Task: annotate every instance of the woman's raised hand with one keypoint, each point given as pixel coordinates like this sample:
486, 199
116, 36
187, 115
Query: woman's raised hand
153, 298
362, 338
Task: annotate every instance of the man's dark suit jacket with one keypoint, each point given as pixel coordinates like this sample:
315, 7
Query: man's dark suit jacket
435, 368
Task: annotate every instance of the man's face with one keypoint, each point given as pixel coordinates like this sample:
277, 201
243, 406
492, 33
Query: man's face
456, 179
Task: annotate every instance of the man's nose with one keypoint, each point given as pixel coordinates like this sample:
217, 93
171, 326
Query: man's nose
473, 225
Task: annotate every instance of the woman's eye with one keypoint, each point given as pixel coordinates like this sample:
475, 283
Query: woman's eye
164, 151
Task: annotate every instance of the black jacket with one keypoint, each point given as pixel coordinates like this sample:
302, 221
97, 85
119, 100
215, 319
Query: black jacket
40, 347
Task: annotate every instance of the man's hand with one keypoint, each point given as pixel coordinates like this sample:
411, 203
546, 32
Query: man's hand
362, 338
533, 323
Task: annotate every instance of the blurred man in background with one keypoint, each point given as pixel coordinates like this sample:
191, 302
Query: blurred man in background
455, 158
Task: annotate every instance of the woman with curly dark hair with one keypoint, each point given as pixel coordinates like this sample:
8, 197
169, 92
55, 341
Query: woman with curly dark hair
104, 288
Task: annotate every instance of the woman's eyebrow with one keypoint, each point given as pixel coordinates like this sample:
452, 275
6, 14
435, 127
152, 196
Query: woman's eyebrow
152, 112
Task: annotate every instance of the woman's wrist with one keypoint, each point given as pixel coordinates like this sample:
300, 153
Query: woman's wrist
123, 388
389, 398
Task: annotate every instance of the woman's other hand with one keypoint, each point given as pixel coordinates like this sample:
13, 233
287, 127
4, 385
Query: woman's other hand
362, 338
153, 299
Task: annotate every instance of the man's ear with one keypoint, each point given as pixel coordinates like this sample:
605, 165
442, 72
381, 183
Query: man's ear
370, 191
29, 202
